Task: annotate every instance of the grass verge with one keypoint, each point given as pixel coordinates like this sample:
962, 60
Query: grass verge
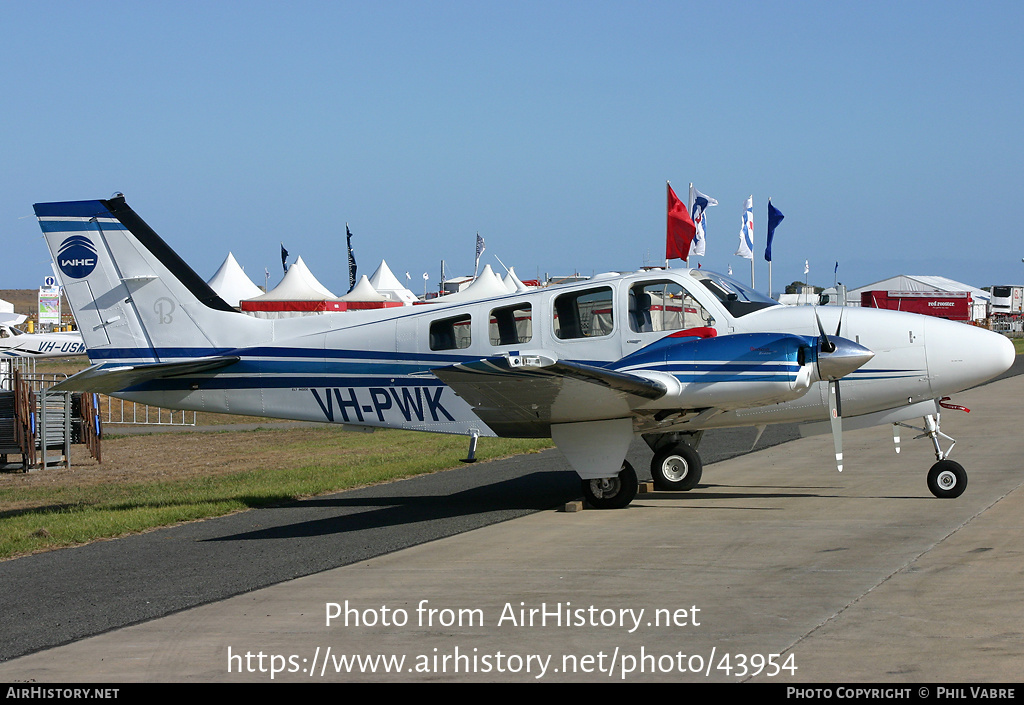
158, 480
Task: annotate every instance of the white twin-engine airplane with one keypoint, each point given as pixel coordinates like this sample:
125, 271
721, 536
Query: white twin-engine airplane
15, 342
666, 354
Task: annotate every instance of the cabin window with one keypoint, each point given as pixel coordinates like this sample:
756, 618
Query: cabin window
511, 325
584, 314
450, 333
664, 305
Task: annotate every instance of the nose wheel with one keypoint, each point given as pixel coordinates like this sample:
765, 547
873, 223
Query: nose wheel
947, 479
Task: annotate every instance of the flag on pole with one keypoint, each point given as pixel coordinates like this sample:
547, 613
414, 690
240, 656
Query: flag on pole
680, 232
479, 251
774, 218
351, 260
284, 258
807, 267
698, 204
746, 248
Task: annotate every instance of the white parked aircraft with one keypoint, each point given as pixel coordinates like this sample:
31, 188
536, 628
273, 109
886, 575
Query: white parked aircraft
666, 354
14, 342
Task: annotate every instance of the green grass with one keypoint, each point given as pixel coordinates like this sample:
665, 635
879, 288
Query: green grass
1018, 345
335, 460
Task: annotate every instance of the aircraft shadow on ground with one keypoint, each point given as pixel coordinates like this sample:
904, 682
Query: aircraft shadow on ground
516, 496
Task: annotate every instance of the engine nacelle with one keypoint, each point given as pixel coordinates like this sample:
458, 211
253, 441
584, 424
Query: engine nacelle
726, 372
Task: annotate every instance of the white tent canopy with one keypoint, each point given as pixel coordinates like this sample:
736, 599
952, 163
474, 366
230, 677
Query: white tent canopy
513, 283
298, 284
487, 285
363, 291
386, 283
231, 283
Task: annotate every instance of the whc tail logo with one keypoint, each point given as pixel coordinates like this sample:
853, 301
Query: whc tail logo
76, 256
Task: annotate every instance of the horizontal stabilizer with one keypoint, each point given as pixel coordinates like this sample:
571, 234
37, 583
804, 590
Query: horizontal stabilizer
522, 395
107, 380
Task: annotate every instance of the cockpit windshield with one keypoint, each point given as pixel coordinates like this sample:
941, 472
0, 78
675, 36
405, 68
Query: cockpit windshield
738, 299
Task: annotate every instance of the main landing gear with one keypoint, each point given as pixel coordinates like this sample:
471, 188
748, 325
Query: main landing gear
947, 478
612, 492
676, 466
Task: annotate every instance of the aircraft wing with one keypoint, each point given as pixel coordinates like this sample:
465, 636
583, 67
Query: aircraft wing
522, 395
107, 380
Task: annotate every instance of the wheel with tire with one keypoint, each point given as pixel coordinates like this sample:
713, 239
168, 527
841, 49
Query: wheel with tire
677, 468
947, 479
612, 492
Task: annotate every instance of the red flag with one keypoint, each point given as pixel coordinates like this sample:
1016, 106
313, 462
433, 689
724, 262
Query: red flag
681, 229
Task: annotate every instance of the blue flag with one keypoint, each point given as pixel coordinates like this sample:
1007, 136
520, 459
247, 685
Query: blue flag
774, 218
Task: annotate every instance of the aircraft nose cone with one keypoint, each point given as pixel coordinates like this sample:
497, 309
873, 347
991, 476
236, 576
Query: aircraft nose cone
962, 356
847, 357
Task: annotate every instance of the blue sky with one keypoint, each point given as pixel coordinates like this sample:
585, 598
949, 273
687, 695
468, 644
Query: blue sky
888, 133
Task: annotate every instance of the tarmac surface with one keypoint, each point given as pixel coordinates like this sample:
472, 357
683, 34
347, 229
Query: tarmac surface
775, 569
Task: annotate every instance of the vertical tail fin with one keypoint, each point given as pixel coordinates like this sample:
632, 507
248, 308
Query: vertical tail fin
133, 297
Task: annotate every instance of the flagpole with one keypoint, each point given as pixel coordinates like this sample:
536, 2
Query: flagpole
689, 209
668, 196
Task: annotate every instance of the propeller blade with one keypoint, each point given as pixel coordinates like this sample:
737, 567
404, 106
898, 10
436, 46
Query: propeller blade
835, 412
827, 345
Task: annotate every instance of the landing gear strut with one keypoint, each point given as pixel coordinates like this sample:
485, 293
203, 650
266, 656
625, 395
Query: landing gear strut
612, 492
946, 478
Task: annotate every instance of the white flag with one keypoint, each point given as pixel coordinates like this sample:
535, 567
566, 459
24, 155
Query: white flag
698, 204
746, 248
807, 266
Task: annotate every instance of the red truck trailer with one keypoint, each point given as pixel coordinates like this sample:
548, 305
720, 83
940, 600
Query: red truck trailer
952, 305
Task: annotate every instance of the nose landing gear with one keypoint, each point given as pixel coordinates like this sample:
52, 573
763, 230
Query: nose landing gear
947, 478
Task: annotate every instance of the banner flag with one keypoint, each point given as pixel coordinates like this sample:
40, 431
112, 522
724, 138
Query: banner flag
680, 231
746, 247
351, 260
698, 204
479, 251
774, 218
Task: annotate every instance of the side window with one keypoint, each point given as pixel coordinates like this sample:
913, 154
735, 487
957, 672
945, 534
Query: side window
584, 314
450, 333
511, 325
663, 305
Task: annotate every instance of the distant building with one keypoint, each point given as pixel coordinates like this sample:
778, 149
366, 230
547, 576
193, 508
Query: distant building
909, 282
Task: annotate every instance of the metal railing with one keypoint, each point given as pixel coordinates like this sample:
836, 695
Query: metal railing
121, 411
